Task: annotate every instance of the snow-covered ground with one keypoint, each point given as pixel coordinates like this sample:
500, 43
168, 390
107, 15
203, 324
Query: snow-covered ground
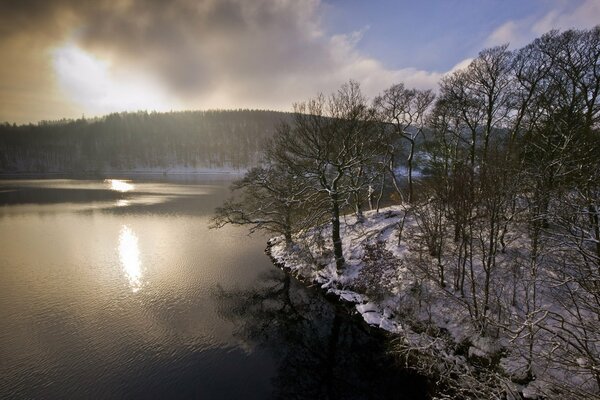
381, 281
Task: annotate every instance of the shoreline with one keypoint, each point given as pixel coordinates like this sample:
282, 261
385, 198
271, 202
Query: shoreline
433, 337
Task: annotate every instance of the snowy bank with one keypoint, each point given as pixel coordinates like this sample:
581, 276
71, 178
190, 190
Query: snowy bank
381, 282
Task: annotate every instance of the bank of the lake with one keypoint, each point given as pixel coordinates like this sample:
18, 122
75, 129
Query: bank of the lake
393, 286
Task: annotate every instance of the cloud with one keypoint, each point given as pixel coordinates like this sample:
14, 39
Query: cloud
515, 33
88, 82
586, 15
564, 16
202, 54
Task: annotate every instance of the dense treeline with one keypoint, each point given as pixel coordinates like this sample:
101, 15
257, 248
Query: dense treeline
140, 140
508, 215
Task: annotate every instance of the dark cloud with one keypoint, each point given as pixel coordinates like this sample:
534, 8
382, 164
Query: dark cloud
196, 47
191, 45
209, 53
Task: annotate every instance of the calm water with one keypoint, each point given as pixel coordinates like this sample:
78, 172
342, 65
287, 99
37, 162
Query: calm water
118, 289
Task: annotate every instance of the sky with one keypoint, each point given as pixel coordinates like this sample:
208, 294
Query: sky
73, 58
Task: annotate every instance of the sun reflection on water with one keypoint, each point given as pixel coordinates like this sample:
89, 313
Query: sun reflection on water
119, 185
122, 203
129, 253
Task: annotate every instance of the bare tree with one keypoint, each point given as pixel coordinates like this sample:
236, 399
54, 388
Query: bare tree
405, 110
269, 199
330, 144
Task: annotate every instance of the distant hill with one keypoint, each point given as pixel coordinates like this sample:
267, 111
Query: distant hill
139, 141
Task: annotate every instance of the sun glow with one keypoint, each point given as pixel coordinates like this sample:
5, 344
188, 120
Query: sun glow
98, 87
129, 254
119, 185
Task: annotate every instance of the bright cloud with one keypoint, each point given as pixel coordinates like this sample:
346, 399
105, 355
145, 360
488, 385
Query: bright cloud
89, 82
567, 15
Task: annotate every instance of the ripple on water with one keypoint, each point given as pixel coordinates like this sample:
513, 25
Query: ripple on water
138, 299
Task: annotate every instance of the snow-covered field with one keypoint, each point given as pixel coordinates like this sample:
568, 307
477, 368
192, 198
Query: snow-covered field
386, 282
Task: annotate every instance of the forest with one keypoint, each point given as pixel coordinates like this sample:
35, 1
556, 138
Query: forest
492, 183
138, 141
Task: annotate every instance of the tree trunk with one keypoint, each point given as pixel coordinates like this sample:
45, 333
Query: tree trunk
335, 233
358, 207
410, 168
288, 229
288, 237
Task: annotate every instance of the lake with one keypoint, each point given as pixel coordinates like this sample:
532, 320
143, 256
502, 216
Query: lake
118, 289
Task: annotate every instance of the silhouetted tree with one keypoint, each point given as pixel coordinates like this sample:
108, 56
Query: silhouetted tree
329, 144
269, 199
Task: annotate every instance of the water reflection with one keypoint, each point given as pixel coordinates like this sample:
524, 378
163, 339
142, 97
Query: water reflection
70, 328
122, 203
119, 185
321, 352
129, 253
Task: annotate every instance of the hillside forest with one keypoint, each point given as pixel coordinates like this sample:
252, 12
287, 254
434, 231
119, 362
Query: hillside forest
138, 141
